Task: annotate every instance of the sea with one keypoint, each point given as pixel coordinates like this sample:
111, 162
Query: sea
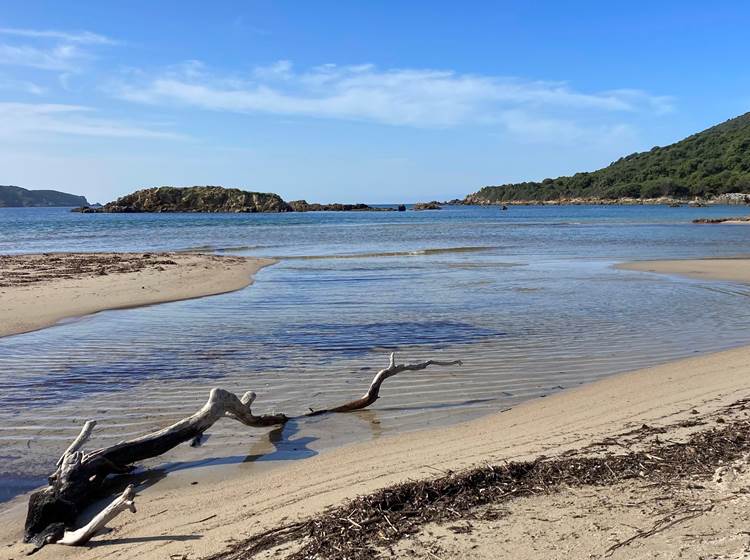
528, 298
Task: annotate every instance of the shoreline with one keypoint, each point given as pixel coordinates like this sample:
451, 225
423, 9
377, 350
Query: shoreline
41, 290
727, 269
168, 521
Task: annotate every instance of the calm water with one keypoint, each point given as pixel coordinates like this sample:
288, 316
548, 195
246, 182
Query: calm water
527, 298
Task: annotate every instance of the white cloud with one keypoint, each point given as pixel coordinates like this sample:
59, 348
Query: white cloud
59, 58
50, 50
82, 37
31, 119
401, 97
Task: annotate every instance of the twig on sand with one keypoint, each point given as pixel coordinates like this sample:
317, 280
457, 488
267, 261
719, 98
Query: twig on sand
662, 525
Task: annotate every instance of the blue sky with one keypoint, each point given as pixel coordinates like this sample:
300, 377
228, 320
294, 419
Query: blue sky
354, 101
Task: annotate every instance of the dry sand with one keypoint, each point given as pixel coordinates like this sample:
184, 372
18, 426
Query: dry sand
37, 291
177, 519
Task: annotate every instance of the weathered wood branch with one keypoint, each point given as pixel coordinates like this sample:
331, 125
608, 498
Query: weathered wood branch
122, 503
373, 392
82, 438
73, 486
79, 475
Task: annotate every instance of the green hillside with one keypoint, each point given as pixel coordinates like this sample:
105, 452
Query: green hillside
709, 163
11, 197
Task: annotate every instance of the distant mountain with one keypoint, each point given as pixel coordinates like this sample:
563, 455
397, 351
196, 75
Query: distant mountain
706, 164
11, 197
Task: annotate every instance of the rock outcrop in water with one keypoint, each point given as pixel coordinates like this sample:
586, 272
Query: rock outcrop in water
433, 205
212, 199
304, 206
195, 199
733, 220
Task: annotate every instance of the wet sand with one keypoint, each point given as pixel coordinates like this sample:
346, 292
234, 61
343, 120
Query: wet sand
729, 269
179, 519
37, 291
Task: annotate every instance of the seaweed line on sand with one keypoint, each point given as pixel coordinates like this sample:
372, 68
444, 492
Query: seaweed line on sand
358, 529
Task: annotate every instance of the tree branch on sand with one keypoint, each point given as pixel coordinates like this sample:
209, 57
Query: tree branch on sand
373, 393
53, 510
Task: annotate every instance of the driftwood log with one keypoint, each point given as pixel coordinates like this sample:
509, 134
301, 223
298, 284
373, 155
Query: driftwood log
53, 510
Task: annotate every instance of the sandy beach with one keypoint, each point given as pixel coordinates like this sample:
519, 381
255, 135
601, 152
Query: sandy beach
37, 291
729, 269
186, 516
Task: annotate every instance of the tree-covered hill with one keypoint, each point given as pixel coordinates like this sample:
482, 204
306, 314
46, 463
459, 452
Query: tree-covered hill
11, 197
709, 163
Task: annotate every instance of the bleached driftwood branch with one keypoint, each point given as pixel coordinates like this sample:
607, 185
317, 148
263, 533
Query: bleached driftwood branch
373, 392
82, 438
53, 510
81, 536
73, 485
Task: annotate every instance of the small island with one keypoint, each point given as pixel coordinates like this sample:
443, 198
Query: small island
214, 199
433, 205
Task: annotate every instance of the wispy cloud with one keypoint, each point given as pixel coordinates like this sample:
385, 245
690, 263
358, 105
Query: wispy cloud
59, 51
60, 119
82, 37
400, 97
60, 58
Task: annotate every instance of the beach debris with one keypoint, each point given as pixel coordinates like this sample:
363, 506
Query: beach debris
122, 503
670, 520
53, 509
373, 392
357, 529
23, 270
80, 475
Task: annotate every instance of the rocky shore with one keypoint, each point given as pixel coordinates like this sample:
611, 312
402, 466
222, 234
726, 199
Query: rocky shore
731, 220
728, 198
304, 206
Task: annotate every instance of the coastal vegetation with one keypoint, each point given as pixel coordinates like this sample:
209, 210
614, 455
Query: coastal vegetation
16, 197
713, 162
